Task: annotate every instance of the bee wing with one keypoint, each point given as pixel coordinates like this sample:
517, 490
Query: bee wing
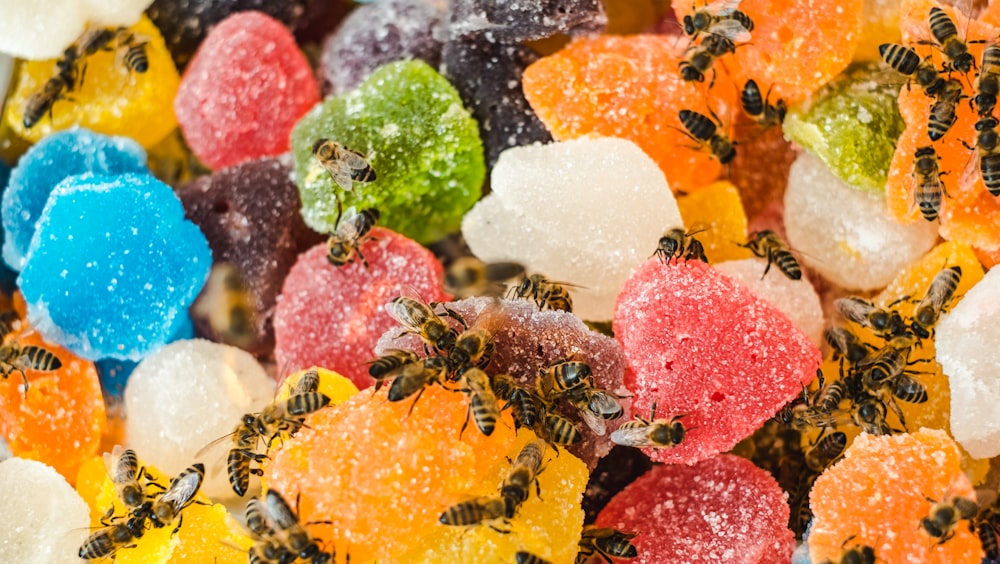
594, 421
184, 487
405, 315
723, 7
279, 511
632, 436
730, 29
121, 471
503, 271
308, 382
348, 227
353, 159
491, 318
606, 405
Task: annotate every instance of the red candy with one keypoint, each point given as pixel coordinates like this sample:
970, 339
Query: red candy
723, 509
244, 90
332, 317
700, 344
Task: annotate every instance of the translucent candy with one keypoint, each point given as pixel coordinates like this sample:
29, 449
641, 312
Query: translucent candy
422, 144
714, 215
113, 266
538, 214
880, 24
760, 169
523, 20
41, 29
244, 91
60, 155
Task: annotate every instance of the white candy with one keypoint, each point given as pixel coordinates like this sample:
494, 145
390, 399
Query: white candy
795, 298
44, 519
967, 341
41, 29
846, 234
186, 395
585, 212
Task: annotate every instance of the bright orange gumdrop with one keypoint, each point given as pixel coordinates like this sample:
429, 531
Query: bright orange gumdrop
716, 214
630, 87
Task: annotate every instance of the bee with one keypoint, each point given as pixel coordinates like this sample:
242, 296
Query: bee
416, 377
474, 511
720, 17
557, 430
268, 549
606, 543
228, 305
905, 60
868, 413
390, 364
939, 293
678, 243
522, 401
595, 406
469, 276
857, 554
561, 377
953, 48
767, 245
652, 432
114, 536
545, 293
134, 55
474, 347
886, 364
988, 540
988, 147
701, 58
42, 101
296, 538
846, 346
523, 473
944, 516
483, 405
944, 109
167, 507
988, 83
928, 189
124, 470
826, 451
15, 358
761, 109
705, 131
346, 166
352, 230
886, 322
525, 557
908, 389
420, 318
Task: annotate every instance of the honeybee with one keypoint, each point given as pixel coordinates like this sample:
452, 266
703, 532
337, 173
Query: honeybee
953, 48
420, 318
945, 515
928, 189
545, 293
116, 534
868, 413
857, 554
652, 432
287, 527
701, 58
720, 17
268, 548
767, 245
167, 507
595, 406
944, 109
887, 363
905, 60
988, 539
846, 346
483, 406
908, 389
133, 52
346, 166
414, 378
523, 473
606, 543
42, 101
123, 468
525, 557
941, 291
705, 131
826, 451
886, 322
525, 405
389, 365
677, 243
761, 109
558, 430
562, 376
15, 358
988, 82
227, 304
351, 231
988, 148
474, 347
469, 276
474, 511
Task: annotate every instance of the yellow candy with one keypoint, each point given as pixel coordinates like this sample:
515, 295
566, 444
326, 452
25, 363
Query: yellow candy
112, 100
336, 387
879, 24
718, 210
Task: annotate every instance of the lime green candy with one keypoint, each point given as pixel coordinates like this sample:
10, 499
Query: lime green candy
422, 143
852, 125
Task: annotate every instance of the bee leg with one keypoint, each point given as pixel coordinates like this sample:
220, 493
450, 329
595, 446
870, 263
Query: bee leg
180, 521
25, 378
770, 260
464, 425
415, 400
364, 261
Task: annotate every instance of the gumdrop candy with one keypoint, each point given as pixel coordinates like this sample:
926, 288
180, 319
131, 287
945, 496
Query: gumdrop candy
537, 208
41, 30
220, 383
514, 22
332, 317
760, 169
8, 277
113, 266
46, 164
423, 145
108, 98
243, 91
714, 216
114, 373
724, 382
250, 215
880, 24
723, 509
882, 509
48, 520
379, 33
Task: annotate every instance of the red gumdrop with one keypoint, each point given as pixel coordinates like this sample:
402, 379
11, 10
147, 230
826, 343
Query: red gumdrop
244, 90
723, 509
333, 316
699, 344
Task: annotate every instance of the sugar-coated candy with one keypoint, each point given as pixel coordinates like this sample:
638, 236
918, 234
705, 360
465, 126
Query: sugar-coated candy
879, 24
423, 145
8, 277
548, 199
171, 419
109, 98
524, 20
844, 233
760, 169
878, 494
714, 215
723, 509
380, 33
45, 519
41, 29
333, 316
701, 345
852, 125
46, 164
244, 90
114, 373
113, 266
250, 215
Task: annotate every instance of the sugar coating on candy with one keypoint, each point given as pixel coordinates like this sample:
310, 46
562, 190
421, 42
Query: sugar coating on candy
46, 519
852, 125
843, 233
702, 345
217, 382
524, 20
629, 87
424, 146
113, 266
244, 90
112, 99
761, 167
714, 216
250, 216
585, 212
332, 317
379, 33
114, 373
41, 29
46, 164
795, 298
723, 509
878, 494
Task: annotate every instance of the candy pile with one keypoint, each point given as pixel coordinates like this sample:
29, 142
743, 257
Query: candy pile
473, 281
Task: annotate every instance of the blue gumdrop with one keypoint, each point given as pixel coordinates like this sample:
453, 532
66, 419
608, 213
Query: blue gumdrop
114, 373
67, 153
113, 266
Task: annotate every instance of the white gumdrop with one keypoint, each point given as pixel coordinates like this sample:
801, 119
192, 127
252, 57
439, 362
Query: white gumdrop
41, 29
45, 520
795, 298
967, 341
186, 395
846, 234
585, 212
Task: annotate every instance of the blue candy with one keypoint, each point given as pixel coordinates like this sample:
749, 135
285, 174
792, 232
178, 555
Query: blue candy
113, 266
114, 373
63, 154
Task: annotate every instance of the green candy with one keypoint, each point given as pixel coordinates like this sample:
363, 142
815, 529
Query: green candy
852, 125
422, 143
